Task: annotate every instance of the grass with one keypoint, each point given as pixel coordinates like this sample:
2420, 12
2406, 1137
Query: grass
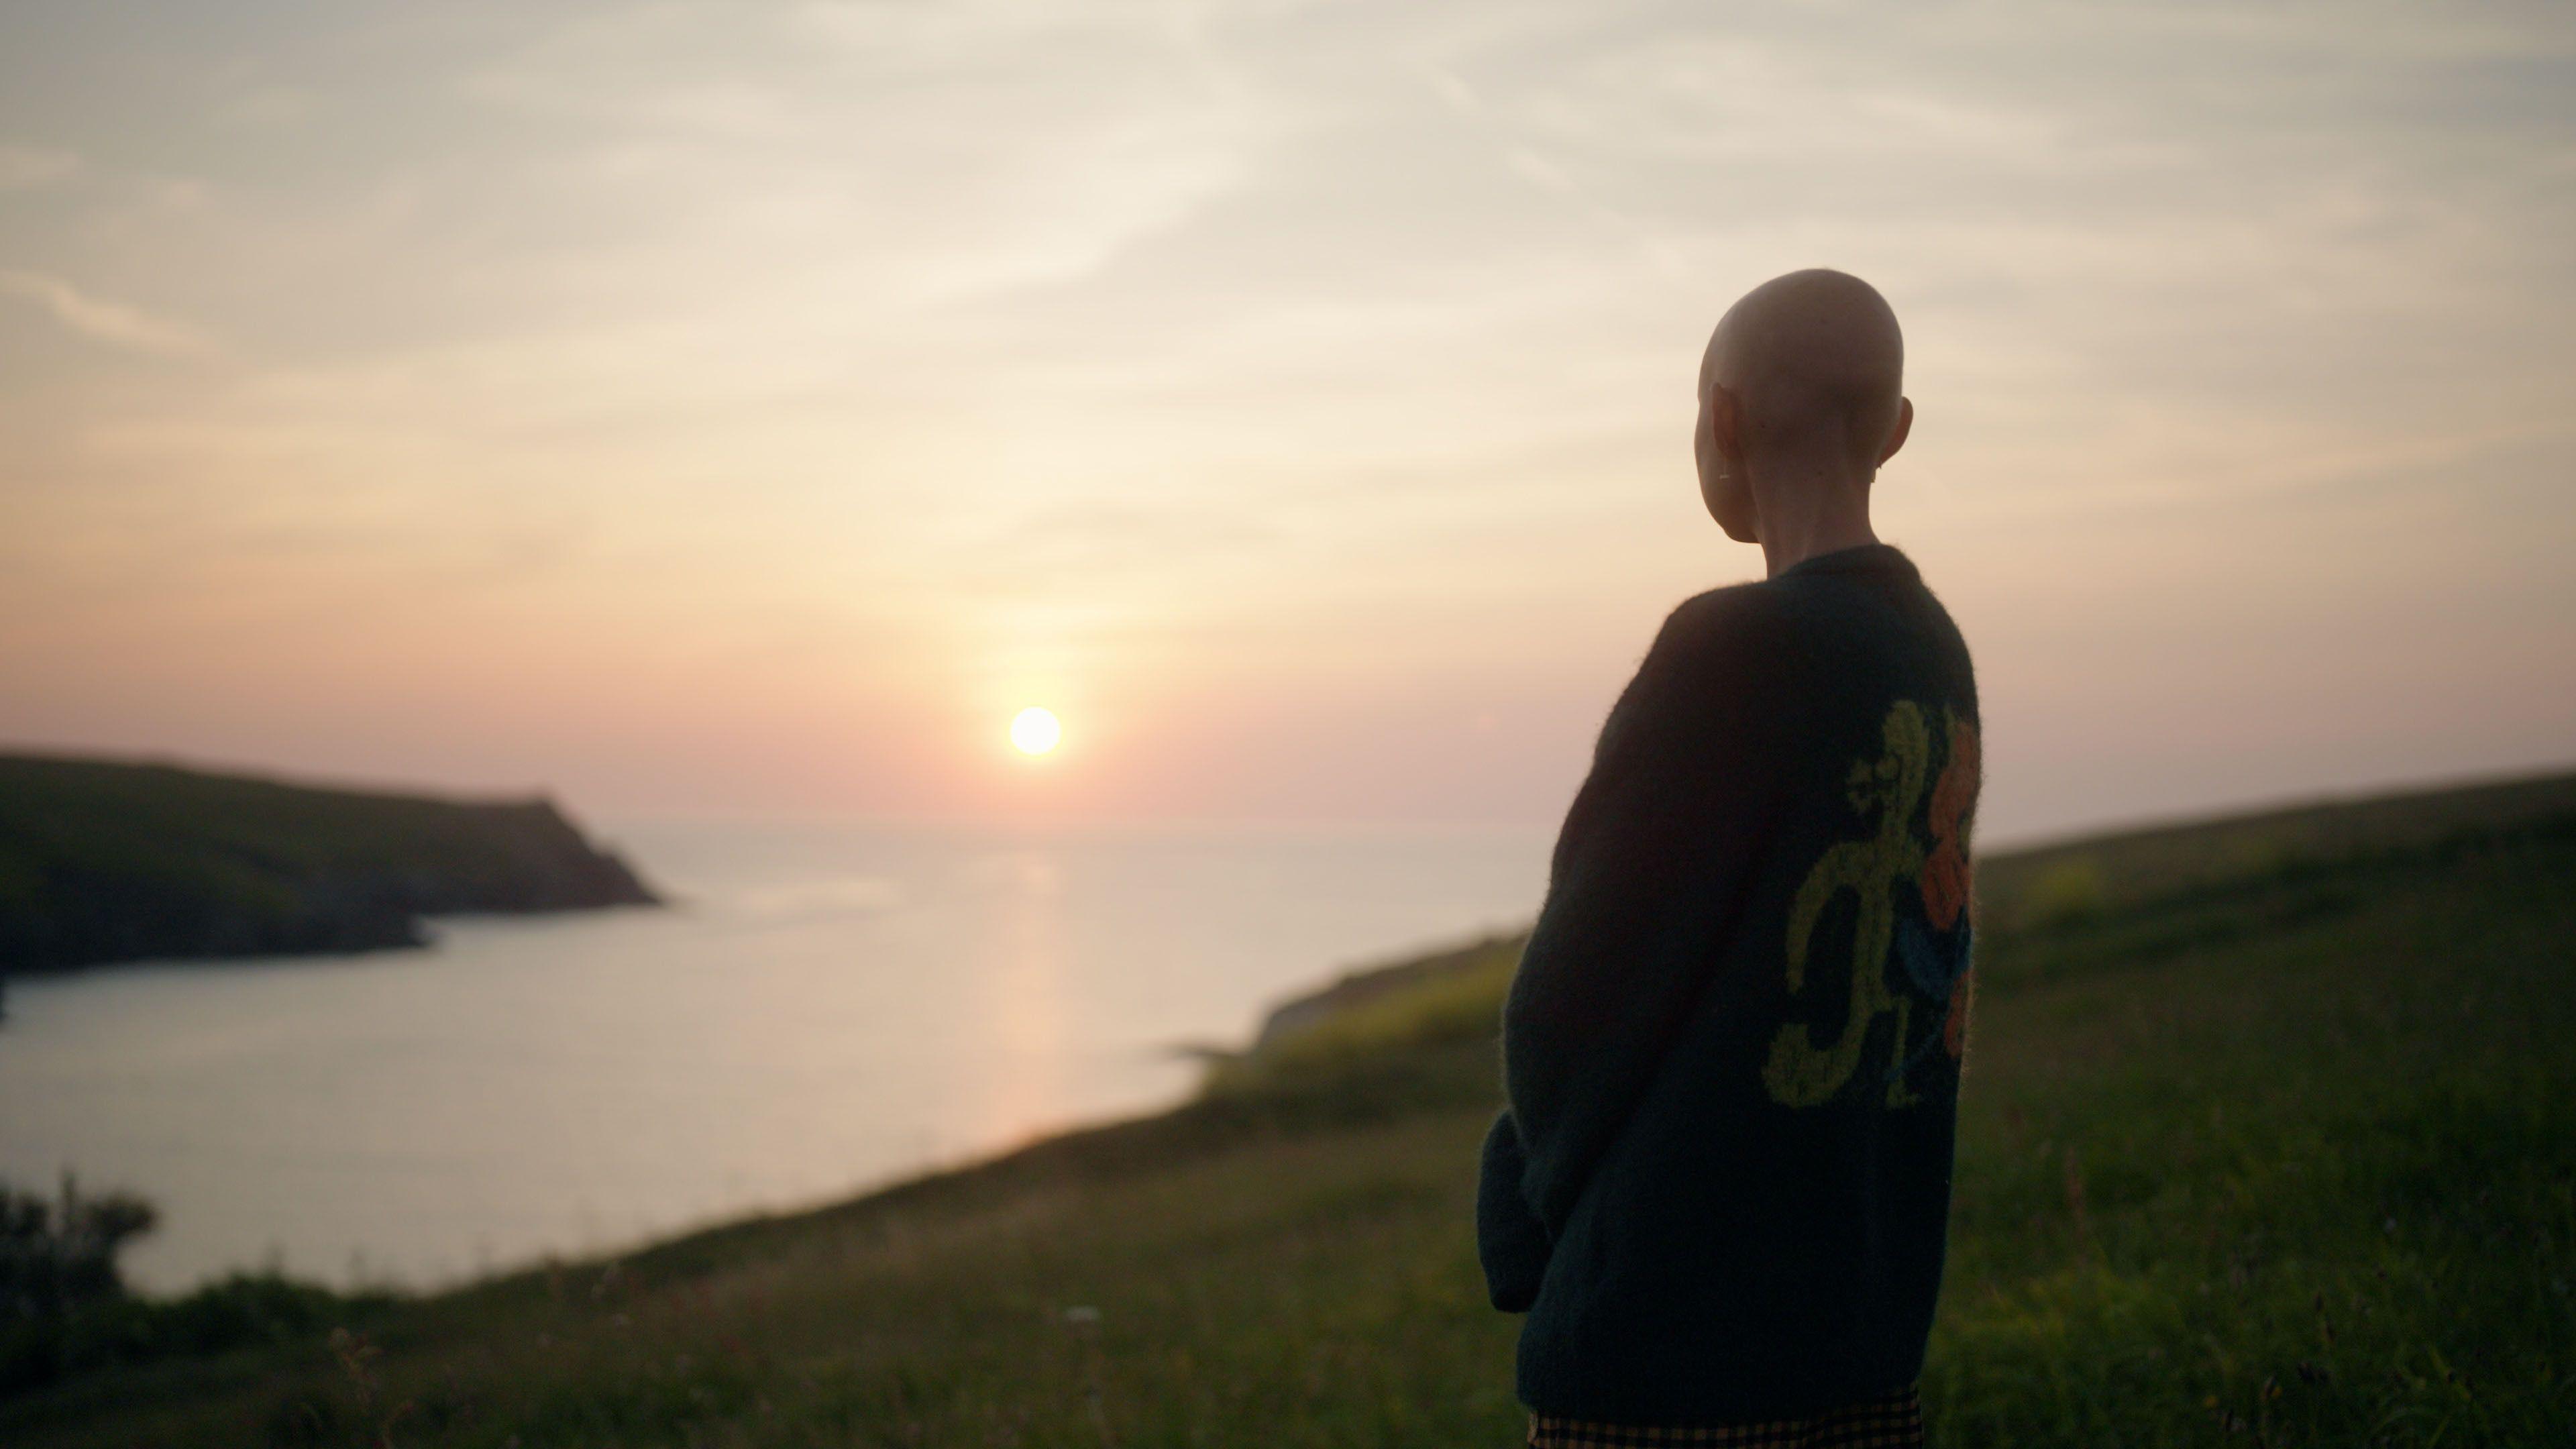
2279, 1153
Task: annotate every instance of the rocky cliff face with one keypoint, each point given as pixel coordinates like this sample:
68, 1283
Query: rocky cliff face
103, 861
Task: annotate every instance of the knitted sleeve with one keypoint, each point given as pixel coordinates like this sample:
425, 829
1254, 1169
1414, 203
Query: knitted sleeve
1646, 883
1511, 1243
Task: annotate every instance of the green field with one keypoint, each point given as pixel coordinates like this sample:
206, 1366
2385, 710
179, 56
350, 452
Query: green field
2269, 1137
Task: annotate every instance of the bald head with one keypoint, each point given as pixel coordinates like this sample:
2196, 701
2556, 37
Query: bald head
1815, 362
1801, 397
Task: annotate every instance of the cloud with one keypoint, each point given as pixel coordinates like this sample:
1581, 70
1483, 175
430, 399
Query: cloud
25, 166
896, 158
103, 320
1013, 337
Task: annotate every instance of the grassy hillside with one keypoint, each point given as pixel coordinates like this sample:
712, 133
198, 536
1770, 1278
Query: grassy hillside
102, 861
2275, 1147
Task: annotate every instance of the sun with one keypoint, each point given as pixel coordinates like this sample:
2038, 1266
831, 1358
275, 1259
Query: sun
1035, 730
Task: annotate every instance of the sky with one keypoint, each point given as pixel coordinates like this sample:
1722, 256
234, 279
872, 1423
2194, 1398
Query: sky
747, 409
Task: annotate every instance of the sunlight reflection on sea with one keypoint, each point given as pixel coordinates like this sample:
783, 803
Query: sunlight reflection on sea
822, 1008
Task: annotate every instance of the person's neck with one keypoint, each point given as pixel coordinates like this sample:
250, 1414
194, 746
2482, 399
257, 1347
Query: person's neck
1814, 515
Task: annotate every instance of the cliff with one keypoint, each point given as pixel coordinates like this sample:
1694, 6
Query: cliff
103, 861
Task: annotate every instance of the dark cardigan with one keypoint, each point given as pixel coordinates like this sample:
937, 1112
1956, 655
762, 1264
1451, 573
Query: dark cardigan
1732, 1048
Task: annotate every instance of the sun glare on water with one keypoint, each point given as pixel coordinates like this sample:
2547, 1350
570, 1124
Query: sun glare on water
1035, 730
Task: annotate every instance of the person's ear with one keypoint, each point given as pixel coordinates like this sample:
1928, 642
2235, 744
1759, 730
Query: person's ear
1726, 426
1896, 435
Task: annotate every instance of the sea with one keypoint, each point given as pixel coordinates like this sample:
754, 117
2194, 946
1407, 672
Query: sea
822, 1008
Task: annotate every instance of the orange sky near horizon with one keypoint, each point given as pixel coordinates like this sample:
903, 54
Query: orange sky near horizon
694, 408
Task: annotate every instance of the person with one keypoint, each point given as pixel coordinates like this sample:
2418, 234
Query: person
1731, 1050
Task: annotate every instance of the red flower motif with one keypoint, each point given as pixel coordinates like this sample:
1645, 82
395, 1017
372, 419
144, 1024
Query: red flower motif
1948, 874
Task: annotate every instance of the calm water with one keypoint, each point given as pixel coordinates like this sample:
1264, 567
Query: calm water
831, 1007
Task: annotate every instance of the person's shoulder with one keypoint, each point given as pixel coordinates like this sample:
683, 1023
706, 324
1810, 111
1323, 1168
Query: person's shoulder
1728, 622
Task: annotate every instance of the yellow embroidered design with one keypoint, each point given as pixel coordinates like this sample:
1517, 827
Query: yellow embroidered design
1799, 1073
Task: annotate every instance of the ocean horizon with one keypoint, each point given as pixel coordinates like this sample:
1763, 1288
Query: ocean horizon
822, 1009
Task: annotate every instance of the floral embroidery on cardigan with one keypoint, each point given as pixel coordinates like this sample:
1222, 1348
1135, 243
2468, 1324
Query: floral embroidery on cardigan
1799, 1073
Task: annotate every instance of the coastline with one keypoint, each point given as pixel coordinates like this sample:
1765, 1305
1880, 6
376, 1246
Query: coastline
110, 861
2300, 1074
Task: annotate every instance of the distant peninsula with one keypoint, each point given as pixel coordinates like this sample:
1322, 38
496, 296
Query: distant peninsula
104, 861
